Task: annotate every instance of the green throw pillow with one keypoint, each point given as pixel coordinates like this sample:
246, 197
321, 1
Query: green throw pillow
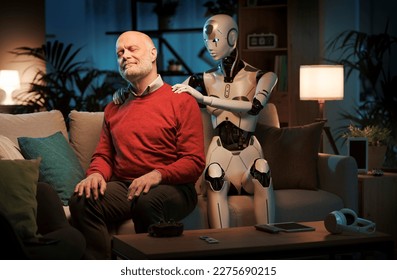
292, 154
59, 165
18, 187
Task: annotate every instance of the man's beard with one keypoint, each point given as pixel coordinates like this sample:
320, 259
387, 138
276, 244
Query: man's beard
135, 73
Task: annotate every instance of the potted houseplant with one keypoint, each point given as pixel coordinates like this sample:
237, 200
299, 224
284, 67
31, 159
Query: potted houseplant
66, 84
371, 56
227, 7
378, 139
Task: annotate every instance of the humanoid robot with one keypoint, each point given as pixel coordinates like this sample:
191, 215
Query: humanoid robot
234, 93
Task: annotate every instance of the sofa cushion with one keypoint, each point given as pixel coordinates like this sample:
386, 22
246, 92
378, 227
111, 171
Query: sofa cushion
18, 187
292, 154
8, 149
39, 124
59, 166
85, 129
241, 210
305, 205
268, 115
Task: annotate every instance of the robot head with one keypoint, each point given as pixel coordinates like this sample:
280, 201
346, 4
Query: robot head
220, 34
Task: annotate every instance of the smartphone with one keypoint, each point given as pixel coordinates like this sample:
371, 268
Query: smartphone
267, 228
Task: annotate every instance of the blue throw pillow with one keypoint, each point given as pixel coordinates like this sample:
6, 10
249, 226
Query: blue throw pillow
59, 165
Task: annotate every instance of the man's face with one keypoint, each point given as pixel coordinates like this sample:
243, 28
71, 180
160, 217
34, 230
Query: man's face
133, 56
216, 40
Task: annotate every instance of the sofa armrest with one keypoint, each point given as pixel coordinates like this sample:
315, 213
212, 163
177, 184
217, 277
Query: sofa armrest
338, 175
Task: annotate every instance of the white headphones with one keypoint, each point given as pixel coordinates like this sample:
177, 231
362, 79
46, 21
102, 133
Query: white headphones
346, 220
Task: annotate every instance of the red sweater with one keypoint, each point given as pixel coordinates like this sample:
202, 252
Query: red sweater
162, 130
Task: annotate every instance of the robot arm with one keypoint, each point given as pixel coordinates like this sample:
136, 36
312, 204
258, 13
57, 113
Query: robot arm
265, 86
263, 89
236, 106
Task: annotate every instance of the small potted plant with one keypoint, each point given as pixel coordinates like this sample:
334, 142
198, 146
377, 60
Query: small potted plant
378, 139
174, 65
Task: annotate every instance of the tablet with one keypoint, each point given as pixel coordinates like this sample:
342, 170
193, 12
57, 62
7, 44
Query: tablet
292, 227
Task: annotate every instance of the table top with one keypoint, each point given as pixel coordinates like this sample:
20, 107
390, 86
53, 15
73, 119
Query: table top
372, 177
236, 240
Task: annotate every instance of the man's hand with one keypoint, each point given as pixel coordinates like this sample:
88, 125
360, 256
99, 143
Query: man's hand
94, 184
143, 184
179, 88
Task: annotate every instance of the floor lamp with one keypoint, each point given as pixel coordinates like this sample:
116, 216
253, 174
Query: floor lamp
321, 83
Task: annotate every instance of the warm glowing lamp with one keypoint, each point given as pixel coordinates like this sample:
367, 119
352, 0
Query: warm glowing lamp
9, 81
321, 83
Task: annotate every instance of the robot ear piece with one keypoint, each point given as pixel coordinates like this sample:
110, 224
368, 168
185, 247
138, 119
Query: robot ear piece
232, 37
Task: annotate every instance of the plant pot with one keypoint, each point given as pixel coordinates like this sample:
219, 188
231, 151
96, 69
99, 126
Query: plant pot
376, 157
165, 22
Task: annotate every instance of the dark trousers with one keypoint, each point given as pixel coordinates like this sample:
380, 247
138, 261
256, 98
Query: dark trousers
52, 223
94, 218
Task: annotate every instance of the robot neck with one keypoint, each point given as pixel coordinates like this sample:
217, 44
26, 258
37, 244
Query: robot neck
230, 66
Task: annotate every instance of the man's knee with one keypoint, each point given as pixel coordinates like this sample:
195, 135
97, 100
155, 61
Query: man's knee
75, 203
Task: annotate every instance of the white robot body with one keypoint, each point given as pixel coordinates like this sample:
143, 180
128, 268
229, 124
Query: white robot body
218, 208
264, 205
241, 89
234, 163
236, 166
234, 94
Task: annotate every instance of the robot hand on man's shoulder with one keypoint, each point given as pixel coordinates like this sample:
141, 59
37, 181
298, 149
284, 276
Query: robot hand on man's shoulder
121, 95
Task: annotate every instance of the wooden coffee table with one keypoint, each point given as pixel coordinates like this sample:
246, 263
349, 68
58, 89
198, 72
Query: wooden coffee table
249, 243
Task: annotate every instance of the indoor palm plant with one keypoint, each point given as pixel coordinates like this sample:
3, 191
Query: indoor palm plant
371, 55
66, 84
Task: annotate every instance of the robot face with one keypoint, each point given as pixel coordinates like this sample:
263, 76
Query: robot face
217, 38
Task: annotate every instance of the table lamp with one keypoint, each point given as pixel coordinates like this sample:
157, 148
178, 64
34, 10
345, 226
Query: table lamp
9, 81
321, 83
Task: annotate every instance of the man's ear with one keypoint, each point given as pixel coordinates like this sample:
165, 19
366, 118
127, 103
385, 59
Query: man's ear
153, 52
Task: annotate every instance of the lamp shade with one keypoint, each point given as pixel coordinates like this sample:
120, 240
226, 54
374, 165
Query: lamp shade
9, 81
321, 82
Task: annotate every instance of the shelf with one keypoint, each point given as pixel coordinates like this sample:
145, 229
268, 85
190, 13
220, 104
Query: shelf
266, 7
155, 33
268, 18
173, 73
266, 50
160, 35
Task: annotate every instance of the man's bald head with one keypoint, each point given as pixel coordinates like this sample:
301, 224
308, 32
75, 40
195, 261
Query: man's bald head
136, 56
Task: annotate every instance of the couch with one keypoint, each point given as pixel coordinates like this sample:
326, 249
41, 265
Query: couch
331, 180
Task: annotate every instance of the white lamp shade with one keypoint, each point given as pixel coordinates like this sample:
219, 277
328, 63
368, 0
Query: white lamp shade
321, 82
9, 81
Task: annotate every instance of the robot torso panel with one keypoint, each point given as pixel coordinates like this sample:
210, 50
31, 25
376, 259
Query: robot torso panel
242, 88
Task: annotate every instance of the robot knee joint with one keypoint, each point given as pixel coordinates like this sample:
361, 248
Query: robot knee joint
260, 170
215, 176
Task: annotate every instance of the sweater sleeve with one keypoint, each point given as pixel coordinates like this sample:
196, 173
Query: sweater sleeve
190, 146
103, 157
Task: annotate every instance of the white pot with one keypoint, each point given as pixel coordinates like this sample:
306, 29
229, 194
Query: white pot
376, 157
